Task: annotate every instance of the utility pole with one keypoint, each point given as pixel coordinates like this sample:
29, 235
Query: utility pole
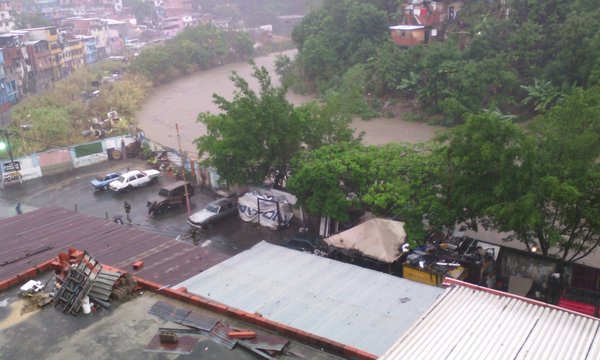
187, 195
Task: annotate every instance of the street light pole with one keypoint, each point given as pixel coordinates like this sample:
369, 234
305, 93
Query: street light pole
14, 168
187, 195
10, 154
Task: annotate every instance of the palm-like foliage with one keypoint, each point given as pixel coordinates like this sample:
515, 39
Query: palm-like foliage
542, 95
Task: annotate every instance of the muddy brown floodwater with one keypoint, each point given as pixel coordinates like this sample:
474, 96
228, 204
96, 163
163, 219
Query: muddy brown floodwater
181, 101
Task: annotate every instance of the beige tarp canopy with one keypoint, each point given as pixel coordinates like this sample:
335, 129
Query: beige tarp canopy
380, 239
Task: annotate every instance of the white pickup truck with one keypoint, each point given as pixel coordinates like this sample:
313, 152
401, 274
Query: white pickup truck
134, 179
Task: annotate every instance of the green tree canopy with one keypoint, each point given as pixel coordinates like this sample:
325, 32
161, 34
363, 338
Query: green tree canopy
393, 181
487, 58
24, 20
196, 48
541, 184
338, 35
255, 137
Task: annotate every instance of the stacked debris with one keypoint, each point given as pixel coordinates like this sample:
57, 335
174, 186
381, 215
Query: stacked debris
81, 283
183, 340
74, 281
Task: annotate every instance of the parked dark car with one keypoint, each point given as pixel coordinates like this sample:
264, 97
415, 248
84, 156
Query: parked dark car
169, 196
102, 182
215, 211
308, 242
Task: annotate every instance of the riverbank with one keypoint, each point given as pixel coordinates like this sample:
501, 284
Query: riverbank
180, 102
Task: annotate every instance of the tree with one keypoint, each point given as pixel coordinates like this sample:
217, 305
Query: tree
542, 95
540, 184
403, 186
567, 195
331, 180
393, 181
337, 36
485, 162
24, 21
144, 11
255, 137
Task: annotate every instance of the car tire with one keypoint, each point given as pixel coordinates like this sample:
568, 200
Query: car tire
105, 187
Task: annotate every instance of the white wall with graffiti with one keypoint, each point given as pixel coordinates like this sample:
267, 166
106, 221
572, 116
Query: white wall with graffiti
56, 161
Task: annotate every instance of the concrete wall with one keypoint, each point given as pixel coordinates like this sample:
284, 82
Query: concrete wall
536, 268
56, 161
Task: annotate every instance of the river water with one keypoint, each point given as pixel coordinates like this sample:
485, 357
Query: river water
180, 102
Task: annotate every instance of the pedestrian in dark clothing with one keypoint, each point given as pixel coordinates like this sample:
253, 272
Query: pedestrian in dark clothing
18, 209
127, 207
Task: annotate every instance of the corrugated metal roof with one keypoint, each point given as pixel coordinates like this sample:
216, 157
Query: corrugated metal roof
478, 324
355, 306
37, 236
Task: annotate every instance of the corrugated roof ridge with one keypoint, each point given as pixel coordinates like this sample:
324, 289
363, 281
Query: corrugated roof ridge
595, 345
414, 328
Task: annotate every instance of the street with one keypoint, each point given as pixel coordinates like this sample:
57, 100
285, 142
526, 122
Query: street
73, 191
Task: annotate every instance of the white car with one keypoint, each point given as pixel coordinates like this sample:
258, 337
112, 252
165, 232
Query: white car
134, 179
213, 212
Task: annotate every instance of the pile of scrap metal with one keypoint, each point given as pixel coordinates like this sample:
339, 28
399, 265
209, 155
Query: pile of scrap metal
183, 340
82, 283
99, 129
456, 256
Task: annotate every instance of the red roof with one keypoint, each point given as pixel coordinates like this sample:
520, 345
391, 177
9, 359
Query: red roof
35, 237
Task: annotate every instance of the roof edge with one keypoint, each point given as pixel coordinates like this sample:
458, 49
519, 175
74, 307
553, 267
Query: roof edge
449, 282
181, 294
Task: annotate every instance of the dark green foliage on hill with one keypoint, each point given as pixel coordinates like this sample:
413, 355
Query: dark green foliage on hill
336, 37
196, 48
488, 59
256, 12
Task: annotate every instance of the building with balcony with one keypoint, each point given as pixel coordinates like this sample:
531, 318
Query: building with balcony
95, 27
50, 35
41, 63
90, 52
17, 72
73, 55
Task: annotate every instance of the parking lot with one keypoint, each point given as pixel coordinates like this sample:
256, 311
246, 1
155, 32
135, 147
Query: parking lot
73, 190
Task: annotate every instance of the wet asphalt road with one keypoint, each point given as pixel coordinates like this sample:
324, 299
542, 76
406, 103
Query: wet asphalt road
72, 190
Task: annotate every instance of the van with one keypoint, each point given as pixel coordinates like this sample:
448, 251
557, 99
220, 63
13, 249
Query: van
169, 196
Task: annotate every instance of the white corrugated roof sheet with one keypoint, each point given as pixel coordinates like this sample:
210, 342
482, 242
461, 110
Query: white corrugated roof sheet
406, 27
366, 309
467, 323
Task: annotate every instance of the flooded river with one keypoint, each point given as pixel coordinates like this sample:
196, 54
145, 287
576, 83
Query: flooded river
181, 101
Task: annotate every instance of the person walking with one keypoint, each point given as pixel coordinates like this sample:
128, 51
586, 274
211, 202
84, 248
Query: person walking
18, 209
127, 207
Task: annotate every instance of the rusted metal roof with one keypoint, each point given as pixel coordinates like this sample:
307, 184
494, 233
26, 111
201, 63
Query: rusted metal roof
34, 237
